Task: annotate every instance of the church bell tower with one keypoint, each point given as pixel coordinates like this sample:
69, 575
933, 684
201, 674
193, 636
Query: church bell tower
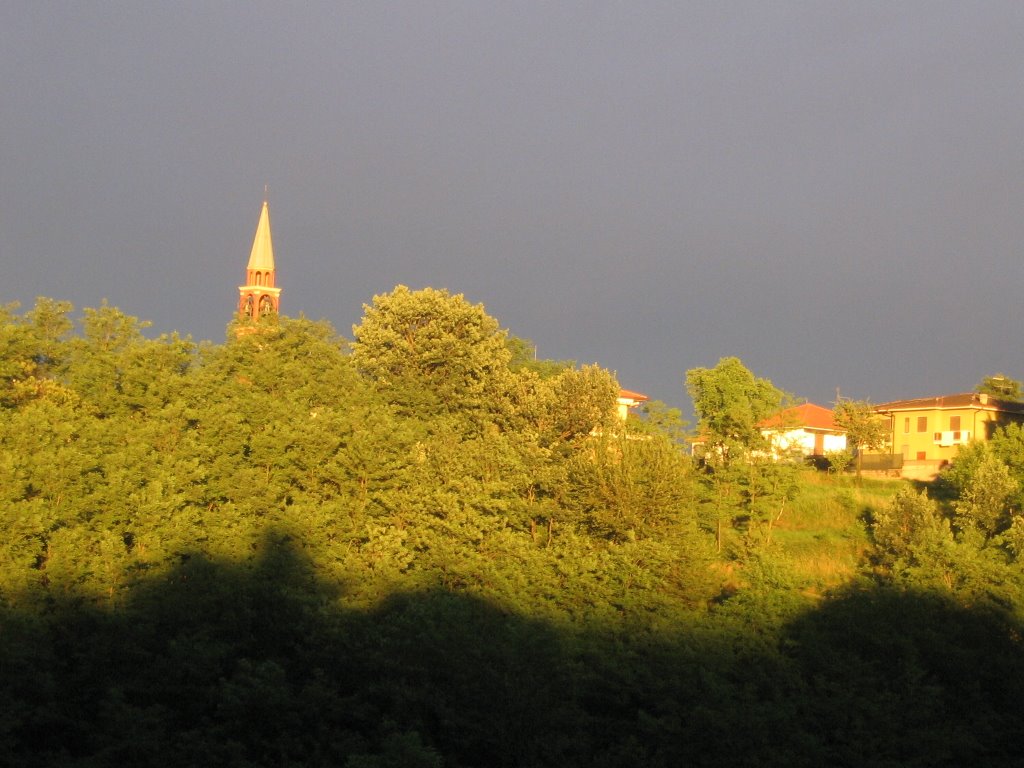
260, 297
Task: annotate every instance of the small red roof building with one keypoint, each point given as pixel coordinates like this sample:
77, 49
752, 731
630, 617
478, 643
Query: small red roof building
807, 428
628, 399
803, 416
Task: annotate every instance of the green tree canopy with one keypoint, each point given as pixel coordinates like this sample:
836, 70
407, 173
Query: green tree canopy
1000, 385
430, 349
524, 356
730, 403
33, 349
864, 428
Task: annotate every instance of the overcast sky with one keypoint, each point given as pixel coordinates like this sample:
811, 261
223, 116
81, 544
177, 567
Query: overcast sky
833, 192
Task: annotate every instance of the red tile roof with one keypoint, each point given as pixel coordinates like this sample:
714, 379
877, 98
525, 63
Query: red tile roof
961, 400
625, 393
804, 416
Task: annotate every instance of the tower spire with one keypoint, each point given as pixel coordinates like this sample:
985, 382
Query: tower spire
262, 255
260, 297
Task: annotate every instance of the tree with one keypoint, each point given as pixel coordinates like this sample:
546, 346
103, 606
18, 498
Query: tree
580, 402
33, 350
983, 504
986, 479
864, 429
1008, 446
101, 356
429, 350
1002, 386
657, 418
731, 403
910, 532
524, 356
624, 487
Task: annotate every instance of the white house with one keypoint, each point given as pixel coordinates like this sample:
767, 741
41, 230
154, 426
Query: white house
627, 400
808, 429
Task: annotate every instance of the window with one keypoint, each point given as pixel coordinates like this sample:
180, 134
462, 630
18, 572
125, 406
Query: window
954, 423
921, 455
906, 425
922, 423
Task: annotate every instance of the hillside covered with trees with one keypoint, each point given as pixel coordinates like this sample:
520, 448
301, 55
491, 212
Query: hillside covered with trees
422, 547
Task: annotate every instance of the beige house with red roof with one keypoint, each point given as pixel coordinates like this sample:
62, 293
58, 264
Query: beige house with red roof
807, 429
928, 431
627, 400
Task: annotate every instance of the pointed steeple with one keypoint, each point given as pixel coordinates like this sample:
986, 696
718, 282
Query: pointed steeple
259, 296
262, 255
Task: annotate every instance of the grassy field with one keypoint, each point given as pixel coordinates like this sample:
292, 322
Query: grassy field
822, 535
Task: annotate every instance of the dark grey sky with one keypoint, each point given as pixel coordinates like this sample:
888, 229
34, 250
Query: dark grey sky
834, 192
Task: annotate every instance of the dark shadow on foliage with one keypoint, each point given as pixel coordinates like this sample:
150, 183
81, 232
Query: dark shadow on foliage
891, 678
937, 489
224, 664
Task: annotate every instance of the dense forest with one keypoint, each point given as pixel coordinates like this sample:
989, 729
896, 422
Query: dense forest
423, 547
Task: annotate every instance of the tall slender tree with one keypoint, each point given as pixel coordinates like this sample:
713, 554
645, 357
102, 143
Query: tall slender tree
865, 429
731, 403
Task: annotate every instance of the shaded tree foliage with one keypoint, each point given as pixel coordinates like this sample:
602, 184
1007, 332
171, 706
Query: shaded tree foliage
263, 662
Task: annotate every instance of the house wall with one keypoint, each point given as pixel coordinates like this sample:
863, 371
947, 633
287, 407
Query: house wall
804, 441
913, 431
622, 406
834, 443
